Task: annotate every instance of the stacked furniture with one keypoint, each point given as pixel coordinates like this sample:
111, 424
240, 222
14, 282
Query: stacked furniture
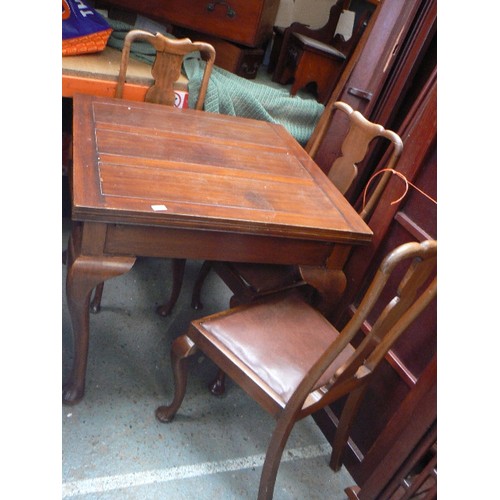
238, 30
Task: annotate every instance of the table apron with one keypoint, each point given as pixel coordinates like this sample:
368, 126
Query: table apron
150, 241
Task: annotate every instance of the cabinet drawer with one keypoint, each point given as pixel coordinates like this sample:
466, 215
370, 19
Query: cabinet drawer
248, 22
240, 60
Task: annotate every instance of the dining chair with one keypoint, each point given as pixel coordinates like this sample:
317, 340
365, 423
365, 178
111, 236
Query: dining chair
325, 34
166, 70
309, 61
287, 357
249, 281
303, 55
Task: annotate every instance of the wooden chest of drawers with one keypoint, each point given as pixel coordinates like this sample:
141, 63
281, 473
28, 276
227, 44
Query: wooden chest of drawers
245, 22
238, 59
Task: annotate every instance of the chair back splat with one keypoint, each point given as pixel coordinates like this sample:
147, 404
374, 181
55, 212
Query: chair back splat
293, 362
167, 65
354, 148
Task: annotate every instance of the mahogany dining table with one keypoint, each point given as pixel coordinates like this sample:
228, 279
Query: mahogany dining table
157, 181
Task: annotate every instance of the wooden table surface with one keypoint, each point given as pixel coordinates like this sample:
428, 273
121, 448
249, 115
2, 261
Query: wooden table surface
208, 171
152, 180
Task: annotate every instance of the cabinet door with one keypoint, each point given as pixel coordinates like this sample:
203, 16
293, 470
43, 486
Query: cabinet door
411, 219
405, 102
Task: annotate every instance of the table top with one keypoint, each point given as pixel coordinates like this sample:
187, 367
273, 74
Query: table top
148, 164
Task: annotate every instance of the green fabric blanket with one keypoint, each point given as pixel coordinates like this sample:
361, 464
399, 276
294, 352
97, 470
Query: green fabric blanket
230, 94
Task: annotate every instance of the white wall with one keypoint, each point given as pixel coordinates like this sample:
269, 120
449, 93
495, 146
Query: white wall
314, 13
311, 12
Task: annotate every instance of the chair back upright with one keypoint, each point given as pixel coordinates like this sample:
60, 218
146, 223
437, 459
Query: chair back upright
167, 65
411, 295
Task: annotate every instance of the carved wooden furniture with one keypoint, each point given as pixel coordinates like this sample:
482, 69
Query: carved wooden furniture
282, 36
157, 181
166, 71
401, 92
310, 61
378, 453
291, 361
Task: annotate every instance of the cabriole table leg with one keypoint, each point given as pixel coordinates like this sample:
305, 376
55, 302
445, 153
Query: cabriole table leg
84, 273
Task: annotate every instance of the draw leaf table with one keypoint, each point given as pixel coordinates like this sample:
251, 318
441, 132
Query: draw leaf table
157, 181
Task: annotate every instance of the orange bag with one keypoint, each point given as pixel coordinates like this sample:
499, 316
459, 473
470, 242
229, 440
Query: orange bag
84, 30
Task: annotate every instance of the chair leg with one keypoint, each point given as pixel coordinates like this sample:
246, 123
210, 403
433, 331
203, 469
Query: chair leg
302, 75
218, 386
286, 75
95, 304
178, 266
182, 348
196, 297
273, 456
275, 50
344, 427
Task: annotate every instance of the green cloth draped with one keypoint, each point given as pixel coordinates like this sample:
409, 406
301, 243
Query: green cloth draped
230, 94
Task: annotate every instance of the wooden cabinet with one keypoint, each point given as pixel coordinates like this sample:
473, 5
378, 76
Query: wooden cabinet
246, 22
393, 82
238, 59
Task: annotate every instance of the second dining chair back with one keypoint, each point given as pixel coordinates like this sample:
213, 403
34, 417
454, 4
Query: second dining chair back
249, 281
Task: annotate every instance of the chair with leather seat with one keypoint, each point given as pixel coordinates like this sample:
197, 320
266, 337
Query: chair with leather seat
249, 281
166, 70
287, 357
